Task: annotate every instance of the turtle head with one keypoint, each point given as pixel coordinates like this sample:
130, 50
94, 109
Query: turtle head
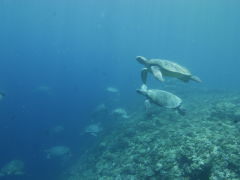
142, 90
141, 60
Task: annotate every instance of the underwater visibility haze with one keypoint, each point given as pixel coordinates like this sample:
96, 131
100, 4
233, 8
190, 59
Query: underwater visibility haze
69, 109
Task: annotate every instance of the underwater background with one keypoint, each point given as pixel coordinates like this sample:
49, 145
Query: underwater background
65, 65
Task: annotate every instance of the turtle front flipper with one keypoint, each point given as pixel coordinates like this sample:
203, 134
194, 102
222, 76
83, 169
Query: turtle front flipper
181, 111
147, 105
144, 75
157, 73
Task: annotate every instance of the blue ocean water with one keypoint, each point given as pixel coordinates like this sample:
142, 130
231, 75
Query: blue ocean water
58, 57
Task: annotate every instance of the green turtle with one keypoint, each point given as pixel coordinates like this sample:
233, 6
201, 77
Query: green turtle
162, 67
161, 98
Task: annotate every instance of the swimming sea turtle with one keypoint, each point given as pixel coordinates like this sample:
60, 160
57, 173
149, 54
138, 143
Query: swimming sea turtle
162, 67
161, 98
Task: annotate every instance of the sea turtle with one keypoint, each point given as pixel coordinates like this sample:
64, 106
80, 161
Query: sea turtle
161, 98
162, 67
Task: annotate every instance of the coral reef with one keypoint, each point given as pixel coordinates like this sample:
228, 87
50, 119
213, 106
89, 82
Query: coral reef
121, 113
94, 129
14, 167
202, 145
58, 152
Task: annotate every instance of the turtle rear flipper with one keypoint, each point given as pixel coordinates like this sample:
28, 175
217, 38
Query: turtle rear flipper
184, 79
157, 73
195, 78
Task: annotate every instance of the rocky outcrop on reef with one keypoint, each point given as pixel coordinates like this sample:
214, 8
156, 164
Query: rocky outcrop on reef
204, 144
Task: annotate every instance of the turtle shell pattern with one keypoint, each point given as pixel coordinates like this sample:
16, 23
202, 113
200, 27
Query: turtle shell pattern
164, 98
170, 66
